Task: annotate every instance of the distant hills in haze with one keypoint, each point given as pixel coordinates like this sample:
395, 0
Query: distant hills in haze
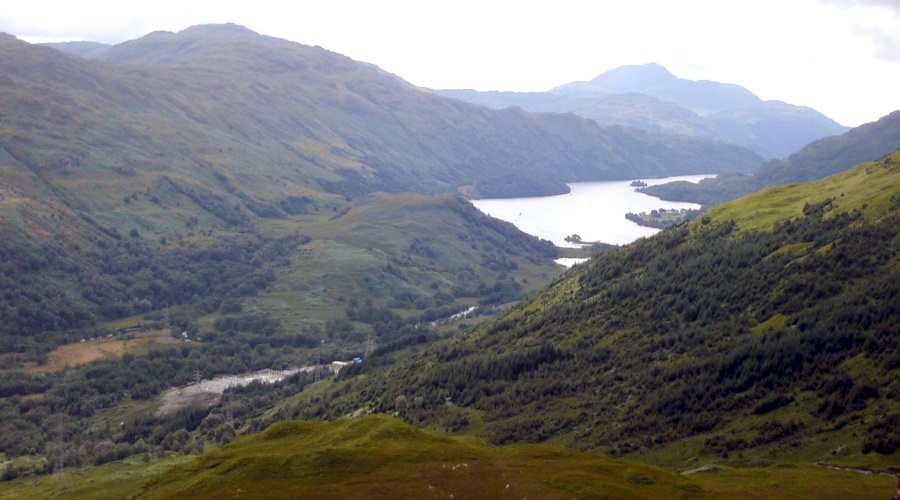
817, 160
650, 97
702, 97
81, 49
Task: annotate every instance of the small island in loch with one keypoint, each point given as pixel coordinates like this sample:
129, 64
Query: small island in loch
587, 248
662, 217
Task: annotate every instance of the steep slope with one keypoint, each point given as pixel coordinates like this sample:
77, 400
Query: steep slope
232, 203
651, 98
817, 160
766, 330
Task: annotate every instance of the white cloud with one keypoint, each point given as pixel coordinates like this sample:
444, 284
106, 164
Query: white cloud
890, 4
878, 20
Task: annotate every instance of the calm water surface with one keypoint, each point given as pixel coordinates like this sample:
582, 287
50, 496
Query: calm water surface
593, 210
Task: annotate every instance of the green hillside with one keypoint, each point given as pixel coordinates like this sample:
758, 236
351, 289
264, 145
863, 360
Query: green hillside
411, 256
380, 457
764, 331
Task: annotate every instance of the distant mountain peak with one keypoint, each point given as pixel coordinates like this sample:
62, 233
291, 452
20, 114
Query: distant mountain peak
215, 29
228, 30
700, 96
633, 77
212, 47
199, 32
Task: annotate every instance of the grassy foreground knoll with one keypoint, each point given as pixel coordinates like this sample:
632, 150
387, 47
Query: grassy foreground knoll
378, 456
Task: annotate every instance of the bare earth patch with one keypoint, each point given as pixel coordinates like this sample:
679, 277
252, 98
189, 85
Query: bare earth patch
70, 355
209, 392
177, 399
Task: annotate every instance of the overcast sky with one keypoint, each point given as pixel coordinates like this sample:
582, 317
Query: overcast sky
841, 57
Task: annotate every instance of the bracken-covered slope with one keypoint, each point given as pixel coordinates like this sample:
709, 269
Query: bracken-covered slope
766, 329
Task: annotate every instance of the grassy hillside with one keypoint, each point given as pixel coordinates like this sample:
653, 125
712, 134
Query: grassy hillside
408, 255
766, 330
380, 457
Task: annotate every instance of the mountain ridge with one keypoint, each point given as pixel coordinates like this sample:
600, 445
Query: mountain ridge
667, 103
405, 119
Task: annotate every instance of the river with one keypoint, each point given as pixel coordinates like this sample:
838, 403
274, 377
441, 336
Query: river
593, 210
